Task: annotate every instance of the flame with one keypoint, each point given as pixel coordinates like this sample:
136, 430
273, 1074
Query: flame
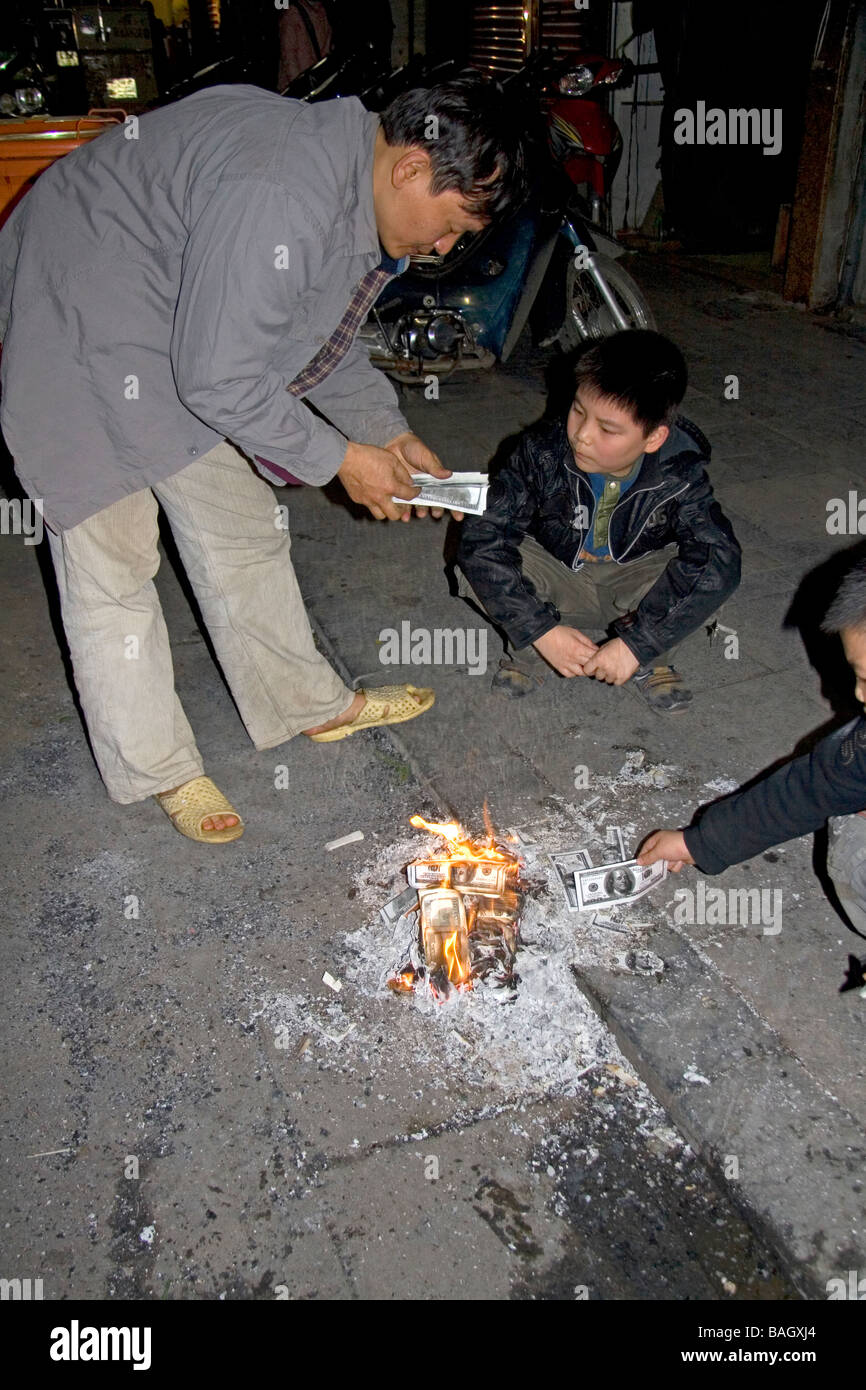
461, 846
450, 830
456, 972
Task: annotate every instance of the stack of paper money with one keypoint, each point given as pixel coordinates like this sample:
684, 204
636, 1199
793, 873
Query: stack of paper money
615, 881
462, 492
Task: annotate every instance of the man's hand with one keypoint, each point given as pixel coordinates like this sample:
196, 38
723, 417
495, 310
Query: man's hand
373, 476
414, 453
613, 663
566, 649
669, 845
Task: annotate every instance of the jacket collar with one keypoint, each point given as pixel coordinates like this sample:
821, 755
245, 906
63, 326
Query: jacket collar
357, 234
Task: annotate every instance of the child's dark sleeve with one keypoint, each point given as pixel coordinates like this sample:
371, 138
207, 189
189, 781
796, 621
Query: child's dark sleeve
796, 799
489, 553
704, 572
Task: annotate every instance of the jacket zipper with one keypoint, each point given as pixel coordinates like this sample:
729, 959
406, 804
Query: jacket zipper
669, 498
577, 560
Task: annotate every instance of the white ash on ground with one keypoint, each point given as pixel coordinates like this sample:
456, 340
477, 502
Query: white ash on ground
546, 1035
720, 786
638, 771
543, 1040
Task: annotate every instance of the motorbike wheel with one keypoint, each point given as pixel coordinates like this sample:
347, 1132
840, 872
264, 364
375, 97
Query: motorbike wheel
588, 316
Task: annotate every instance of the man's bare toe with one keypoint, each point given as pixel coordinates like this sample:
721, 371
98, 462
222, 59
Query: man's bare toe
219, 822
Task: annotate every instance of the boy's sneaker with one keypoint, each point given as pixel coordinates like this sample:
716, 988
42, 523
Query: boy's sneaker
662, 688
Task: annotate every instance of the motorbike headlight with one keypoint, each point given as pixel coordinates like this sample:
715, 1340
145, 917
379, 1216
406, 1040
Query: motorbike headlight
29, 100
576, 82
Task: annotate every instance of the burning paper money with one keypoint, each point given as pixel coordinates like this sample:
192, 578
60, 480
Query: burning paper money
486, 880
469, 903
428, 873
462, 492
616, 883
445, 935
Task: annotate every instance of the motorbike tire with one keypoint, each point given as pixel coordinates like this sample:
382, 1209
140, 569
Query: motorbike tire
587, 316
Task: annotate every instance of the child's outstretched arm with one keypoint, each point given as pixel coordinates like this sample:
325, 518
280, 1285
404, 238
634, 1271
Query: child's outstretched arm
794, 800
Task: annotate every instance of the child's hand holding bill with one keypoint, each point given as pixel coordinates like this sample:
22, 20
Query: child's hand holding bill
669, 845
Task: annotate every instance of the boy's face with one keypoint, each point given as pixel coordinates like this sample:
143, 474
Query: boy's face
854, 642
604, 438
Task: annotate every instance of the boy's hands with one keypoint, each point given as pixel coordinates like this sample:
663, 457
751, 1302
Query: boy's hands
665, 844
572, 654
566, 649
613, 663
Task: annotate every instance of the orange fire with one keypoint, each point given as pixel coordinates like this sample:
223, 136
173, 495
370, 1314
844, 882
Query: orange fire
457, 972
461, 847
452, 950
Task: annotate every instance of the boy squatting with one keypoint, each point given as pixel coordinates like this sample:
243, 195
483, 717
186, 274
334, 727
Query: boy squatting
604, 521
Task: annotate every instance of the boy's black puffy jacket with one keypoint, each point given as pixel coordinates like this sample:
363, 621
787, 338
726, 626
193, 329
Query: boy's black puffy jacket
541, 493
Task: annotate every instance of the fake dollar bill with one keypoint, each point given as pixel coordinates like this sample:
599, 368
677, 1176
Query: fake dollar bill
489, 880
462, 492
615, 848
566, 862
426, 873
395, 909
616, 883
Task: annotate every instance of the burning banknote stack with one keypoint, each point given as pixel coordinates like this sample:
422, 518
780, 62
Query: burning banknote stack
468, 903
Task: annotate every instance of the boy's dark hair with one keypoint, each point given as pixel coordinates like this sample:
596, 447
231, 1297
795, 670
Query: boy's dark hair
848, 608
642, 371
475, 144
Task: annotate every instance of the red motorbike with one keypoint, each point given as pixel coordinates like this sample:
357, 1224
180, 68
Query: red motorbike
584, 138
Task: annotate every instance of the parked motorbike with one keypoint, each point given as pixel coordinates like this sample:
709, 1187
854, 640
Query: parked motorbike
22, 82
467, 309
582, 133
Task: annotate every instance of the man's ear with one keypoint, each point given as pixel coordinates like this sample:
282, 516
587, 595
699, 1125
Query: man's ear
655, 440
415, 163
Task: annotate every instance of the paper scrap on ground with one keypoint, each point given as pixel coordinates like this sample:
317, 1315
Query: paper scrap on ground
345, 840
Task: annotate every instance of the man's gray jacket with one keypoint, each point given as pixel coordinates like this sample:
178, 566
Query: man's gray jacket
161, 287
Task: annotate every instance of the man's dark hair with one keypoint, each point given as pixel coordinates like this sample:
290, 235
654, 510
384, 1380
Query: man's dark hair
474, 144
642, 371
848, 608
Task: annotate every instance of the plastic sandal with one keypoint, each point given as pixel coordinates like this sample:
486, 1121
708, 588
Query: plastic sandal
388, 704
194, 802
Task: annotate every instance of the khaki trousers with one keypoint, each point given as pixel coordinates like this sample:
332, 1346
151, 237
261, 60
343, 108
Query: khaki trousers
223, 518
589, 599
